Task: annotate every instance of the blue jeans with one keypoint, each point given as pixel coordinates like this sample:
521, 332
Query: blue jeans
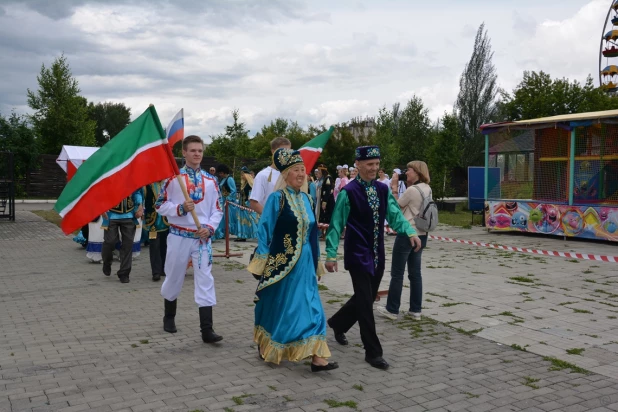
404, 254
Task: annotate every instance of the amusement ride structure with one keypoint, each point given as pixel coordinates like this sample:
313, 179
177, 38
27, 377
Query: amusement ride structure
608, 52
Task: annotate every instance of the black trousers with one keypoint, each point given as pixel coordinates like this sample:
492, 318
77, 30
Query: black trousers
158, 251
360, 308
126, 229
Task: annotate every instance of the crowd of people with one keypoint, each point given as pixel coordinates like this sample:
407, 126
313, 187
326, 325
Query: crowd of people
292, 210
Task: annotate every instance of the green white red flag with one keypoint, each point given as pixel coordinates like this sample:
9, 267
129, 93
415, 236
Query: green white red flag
311, 151
137, 156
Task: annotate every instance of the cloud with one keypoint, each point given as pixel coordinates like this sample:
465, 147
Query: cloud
313, 62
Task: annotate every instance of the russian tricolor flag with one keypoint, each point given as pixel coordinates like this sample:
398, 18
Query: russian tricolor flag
176, 129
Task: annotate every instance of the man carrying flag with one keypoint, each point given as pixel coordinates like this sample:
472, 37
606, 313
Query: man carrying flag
186, 241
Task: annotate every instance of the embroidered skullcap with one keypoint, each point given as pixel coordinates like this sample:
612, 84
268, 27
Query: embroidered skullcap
322, 166
245, 169
286, 158
367, 152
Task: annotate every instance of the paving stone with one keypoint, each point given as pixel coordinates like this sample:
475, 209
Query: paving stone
78, 338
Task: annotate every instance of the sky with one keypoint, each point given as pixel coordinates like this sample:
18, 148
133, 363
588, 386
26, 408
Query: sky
315, 62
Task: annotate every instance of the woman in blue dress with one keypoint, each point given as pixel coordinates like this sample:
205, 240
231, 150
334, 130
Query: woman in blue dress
289, 318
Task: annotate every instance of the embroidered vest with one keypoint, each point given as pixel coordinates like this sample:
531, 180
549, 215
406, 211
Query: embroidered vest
125, 206
287, 240
358, 243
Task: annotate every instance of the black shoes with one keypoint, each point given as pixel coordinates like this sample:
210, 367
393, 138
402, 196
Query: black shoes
169, 325
208, 335
377, 362
328, 367
339, 336
107, 271
156, 277
124, 279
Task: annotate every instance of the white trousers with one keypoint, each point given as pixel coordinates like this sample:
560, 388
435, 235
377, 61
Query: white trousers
179, 251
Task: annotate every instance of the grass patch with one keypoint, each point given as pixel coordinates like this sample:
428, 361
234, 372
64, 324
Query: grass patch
566, 303
580, 310
522, 279
287, 398
228, 410
337, 404
358, 387
590, 280
144, 341
334, 301
575, 351
517, 347
469, 332
611, 317
558, 365
470, 395
134, 345
528, 381
240, 281
573, 260
238, 400
272, 387
322, 287
449, 304
435, 294
507, 361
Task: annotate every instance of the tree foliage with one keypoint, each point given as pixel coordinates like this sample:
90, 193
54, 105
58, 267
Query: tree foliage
403, 134
17, 137
476, 102
444, 155
110, 119
61, 114
233, 145
538, 95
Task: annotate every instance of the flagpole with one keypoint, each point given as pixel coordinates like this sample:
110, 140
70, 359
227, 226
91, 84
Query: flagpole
183, 187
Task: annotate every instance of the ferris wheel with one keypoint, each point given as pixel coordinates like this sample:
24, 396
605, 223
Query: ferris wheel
608, 52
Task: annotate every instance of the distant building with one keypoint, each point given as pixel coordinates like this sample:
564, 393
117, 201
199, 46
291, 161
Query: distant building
360, 127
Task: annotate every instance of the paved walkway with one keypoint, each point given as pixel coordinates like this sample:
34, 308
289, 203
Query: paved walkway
73, 340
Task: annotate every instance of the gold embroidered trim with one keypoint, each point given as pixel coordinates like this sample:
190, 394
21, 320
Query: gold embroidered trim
275, 352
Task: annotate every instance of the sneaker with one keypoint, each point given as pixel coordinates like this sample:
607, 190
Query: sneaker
414, 315
385, 313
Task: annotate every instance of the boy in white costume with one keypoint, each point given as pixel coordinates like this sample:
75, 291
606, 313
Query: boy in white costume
186, 241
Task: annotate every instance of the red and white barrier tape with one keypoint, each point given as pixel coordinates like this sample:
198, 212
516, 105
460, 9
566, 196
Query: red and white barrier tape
601, 258
570, 255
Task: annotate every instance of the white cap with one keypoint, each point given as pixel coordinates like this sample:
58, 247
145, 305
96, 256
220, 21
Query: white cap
397, 171
339, 167
344, 166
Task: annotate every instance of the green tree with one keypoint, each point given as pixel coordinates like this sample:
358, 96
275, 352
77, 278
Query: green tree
476, 102
110, 119
538, 95
61, 114
17, 136
233, 145
445, 155
403, 134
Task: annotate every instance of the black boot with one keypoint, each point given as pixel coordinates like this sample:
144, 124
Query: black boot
170, 313
208, 335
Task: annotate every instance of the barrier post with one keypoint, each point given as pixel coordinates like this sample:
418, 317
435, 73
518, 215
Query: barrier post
227, 235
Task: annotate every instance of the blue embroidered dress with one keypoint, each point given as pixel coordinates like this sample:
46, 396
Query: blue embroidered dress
289, 319
227, 186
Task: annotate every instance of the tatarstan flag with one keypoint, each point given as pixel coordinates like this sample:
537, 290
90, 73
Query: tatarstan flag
135, 157
311, 150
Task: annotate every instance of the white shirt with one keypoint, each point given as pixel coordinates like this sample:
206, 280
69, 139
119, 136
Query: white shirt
262, 188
